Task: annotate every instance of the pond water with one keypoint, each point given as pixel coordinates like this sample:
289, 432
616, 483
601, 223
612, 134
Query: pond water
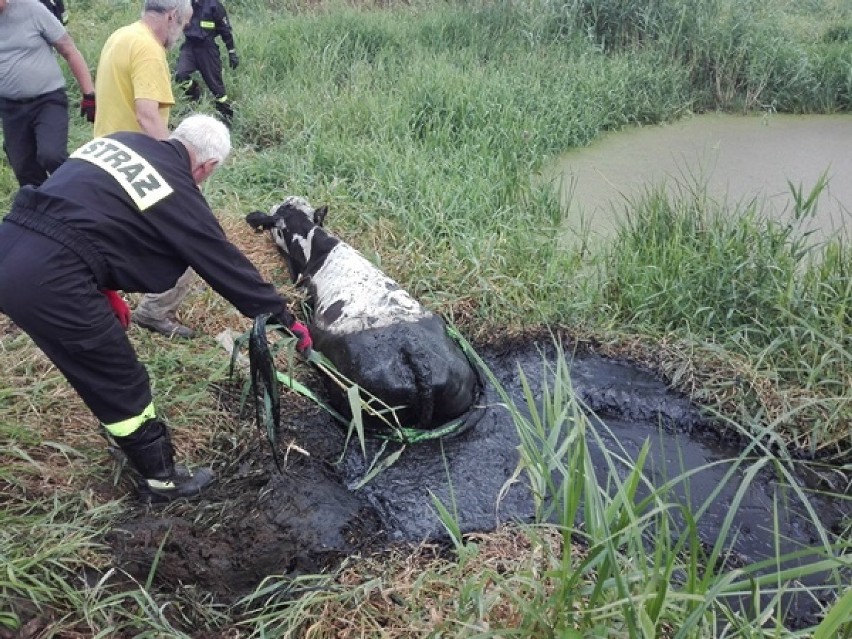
736, 158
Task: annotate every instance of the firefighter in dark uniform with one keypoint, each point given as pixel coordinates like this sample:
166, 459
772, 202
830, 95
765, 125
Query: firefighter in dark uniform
57, 8
200, 52
124, 212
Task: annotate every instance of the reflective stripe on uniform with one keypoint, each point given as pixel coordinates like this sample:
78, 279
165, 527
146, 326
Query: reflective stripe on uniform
206, 24
129, 426
158, 484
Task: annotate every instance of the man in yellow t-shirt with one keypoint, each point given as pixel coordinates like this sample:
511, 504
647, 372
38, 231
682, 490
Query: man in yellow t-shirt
133, 71
134, 89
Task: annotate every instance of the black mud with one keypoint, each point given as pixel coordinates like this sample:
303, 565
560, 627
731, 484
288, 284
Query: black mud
258, 522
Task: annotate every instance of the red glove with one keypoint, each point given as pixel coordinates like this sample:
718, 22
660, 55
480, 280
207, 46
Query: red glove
303, 334
119, 307
87, 107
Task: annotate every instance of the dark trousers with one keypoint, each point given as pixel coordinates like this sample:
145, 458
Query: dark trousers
35, 135
202, 56
47, 290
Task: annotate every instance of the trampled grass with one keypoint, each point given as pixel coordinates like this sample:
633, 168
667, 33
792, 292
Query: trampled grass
421, 124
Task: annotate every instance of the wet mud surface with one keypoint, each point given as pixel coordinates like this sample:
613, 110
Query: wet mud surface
258, 522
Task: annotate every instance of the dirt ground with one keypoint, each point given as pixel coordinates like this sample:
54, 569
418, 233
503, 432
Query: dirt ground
255, 521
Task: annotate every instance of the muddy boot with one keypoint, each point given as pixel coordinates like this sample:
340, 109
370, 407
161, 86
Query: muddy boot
150, 451
168, 326
226, 112
191, 89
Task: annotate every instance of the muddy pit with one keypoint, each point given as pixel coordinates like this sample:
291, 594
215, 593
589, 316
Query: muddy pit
258, 522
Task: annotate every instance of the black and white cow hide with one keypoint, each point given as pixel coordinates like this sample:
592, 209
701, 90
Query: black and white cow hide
372, 330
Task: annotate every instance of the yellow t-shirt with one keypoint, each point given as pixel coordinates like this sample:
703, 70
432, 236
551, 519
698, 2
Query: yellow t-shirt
133, 65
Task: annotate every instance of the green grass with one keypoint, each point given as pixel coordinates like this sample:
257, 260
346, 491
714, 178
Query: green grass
421, 125
45, 545
731, 276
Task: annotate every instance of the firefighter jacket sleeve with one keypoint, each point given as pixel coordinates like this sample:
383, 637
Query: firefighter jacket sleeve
200, 240
223, 27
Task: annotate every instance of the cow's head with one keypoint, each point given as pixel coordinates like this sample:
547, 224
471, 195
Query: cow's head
292, 224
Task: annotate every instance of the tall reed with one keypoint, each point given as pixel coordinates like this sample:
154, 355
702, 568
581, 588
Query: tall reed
734, 276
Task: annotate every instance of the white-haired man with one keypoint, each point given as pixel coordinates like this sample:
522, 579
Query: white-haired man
124, 212
133, 82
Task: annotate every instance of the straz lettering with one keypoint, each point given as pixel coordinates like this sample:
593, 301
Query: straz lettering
137, 177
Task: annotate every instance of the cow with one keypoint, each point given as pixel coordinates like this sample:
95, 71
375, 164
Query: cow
372, 330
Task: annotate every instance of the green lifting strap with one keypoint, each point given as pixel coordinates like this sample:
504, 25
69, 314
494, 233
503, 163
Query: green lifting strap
300, 388
395, 433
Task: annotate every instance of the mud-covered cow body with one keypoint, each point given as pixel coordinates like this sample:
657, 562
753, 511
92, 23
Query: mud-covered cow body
373, 331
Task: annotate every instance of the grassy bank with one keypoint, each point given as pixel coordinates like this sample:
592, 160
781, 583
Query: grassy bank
421, 126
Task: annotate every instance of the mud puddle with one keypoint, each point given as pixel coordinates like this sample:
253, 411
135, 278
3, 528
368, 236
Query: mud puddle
257, 522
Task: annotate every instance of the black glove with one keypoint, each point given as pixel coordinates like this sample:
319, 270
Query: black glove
87, 107
233, 59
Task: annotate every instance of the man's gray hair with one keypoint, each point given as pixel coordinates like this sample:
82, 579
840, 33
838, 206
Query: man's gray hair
184, 7
208, 138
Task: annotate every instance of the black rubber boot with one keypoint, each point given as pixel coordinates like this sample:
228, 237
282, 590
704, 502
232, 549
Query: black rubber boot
191, 89
151, 453
226, 111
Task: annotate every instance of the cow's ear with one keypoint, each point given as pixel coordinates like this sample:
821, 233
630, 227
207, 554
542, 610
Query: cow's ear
259, 221
319, 215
